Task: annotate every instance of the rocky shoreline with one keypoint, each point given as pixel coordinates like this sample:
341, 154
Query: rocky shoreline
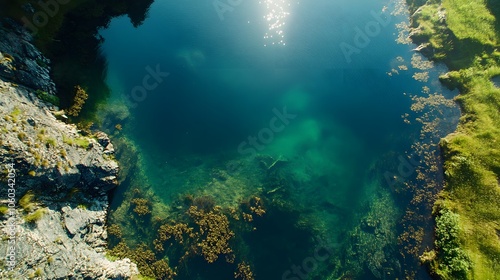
62, 176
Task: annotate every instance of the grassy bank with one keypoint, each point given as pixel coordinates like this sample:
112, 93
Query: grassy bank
465, 36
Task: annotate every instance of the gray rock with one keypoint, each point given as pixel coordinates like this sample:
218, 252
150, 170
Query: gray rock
28, 66
69, 174
47, 248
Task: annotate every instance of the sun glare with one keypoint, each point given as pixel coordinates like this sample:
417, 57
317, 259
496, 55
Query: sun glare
276, 13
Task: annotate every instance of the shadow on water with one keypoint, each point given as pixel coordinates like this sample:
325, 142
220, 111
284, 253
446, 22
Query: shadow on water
76, 49
278, 244
70, 40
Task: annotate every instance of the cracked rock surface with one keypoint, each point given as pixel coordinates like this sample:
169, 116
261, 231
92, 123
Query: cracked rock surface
62, 177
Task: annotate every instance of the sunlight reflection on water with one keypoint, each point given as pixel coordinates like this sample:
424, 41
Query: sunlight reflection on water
276, 13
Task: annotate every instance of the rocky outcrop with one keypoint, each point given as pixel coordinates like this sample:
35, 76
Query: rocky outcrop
62, 176
20, 61
52, 156
67, 242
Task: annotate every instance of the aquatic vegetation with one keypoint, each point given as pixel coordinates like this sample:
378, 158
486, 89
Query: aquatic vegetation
204, 203
145, 259
432, 118
205, 233
421, 76
371, 242
80, 96
114, 230
162, 269
420, 63
179, 232
141, 206
179, 223
254, 206
213, 226
244, 272
434, 113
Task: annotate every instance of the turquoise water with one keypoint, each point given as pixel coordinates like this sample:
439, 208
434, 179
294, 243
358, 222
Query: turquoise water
222, 80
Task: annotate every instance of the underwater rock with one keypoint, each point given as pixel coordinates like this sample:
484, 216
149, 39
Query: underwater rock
191, 58
372, 242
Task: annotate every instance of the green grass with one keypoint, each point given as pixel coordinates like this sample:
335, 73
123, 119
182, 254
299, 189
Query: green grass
16, 112
82, 142
431, 30
22, 136
26, 201
3, 210
35, 216
110, 257
468, 210
472, 170
43, 95
471, 20
50, 142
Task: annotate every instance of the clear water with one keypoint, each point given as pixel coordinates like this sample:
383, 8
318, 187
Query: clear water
227, 79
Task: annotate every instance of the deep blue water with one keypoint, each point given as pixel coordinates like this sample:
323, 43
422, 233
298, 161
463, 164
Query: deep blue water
226, 81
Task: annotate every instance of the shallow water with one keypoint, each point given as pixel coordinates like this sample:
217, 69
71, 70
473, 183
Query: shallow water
227, 97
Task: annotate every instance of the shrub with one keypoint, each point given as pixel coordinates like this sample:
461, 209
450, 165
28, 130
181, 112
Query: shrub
454, 261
